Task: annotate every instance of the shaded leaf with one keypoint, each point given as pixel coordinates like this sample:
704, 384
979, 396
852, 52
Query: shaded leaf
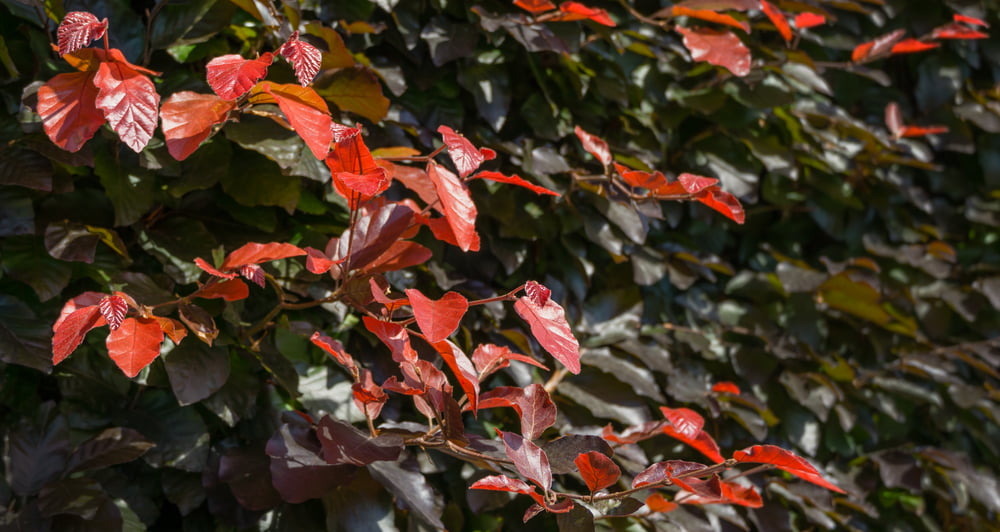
411, 489
372, 235
598, 471
344, 444
357, 90
463, 369
665, 472
394, 336
594, 145
297, 471
489, 358
81, 497
334, 348
196, 371
230, 290
199, 321
534, 407
116, 445
36, 453
563, 451
659, 504
529, 459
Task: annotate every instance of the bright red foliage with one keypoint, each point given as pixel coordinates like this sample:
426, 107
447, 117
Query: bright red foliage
231, 76
721, 48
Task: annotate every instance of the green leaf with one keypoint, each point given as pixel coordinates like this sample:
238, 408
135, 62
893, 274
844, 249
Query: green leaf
252, 180
356, 90
130, 190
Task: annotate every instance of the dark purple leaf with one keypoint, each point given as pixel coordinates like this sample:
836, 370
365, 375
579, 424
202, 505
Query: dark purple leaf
562, 452
411, 489
112, 446
247, 471
344, 444
373, 234
529, 459
37, 452
297, 470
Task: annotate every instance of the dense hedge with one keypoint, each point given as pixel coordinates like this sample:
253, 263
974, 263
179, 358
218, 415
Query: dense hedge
856, 308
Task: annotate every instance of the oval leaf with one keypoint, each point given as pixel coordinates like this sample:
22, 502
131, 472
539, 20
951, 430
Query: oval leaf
307, 113
529, 459
70, 332
113, 308
254, 253
129, 102
188, 119
786, 461
135, 344
594, 145
304, 57
456, 202
68, 109
549, 327
721, 48
597, 470
231, 76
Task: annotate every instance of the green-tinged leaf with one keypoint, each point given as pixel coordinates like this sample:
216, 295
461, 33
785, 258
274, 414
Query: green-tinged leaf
24, 259
131, 191
82, 497
24, 339
356, 90
252, 181
196, 370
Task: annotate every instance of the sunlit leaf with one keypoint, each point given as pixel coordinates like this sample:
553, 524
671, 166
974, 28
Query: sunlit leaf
549, 326
577, 11
231, 76
594, 145
709, 16
722, 48
778, 19
188, 119
437, 319
135, 344
467, 158
514, 180
255, 253
70, 331
78, 29
786, 461
307, 113
113, 308
129, 101
597, 470
304, 57
809, 20
68, 108
456, 202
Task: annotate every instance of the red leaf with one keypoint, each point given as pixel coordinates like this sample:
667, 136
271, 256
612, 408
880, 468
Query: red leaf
368, 396
721, 48
918, 131
437, 319
135, 344
467, 158
456, 203
208, 268
957, 31
390, 304
535, 6
529, 459
594, 145
113, 308
708, 490
416, 180
442, 231
537, 293
661, 472
373, 234
129, 102
726, 387
401, 254
353, 169
685, 421
334, 348
969, 20
304, 57
659, 504
188, 119
910, 46
549, 327
254, 253
809, 20
172, 328
231, 76
778, 19
639, 179
490, 358
578, 11
232, 290
317, 262
502, 483
738, 494
784, 460
868, 50
68, 109
686, 426
394, 336
70, 331
513, 180
633, 434
694, 184
86, 299
463, 369
723, 202
709, 16
533, 404
78, 29
307, 112
597, 470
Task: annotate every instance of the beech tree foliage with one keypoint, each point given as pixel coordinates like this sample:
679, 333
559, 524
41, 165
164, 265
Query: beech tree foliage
587, 265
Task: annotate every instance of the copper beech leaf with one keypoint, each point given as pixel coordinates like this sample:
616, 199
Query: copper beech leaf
722, 201
368, 396
489, 358
786, 461
307, 113
809, 20
726, 387
686, 426
211, 270
78, 29
135, 344
394, 336
231, 290
720, 48
353, 169
529, 459
113, 308
598, 471
344, 444
503, 483
253, 273
199, 321
778, 19
68, 109
437, 319
513, 180
578, 11
69, 332
172, 328
456, 203
665, 472
709, 16
255, 253
86, 299
129, 102
357, 90
659, 504
909, 46
304, 57
463, 369
873, 49
594, 145
532, 403
188, 119
467, 158
729, 493
957, 31
231, 76
401, 254
372, 235
537, 293
334, 348
549, 327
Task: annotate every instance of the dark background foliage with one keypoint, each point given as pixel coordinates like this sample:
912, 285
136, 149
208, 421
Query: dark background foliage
856, 308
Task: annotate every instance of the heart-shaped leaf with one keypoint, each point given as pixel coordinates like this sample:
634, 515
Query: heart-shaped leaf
437, 319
